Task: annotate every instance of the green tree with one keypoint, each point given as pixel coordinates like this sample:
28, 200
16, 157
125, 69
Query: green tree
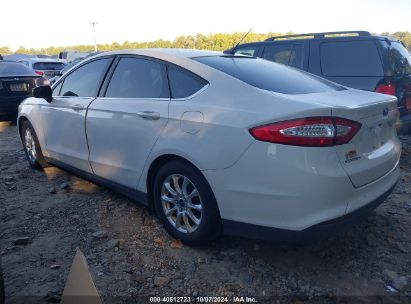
216, 41
5, 50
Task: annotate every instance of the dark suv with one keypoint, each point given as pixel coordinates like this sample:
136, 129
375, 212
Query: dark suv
355, 59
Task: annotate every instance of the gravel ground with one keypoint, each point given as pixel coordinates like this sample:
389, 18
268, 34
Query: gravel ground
130, 255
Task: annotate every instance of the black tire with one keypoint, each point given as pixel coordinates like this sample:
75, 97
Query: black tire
37, 161
209, 227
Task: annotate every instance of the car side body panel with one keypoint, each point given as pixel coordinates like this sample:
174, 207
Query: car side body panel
120, 139
222, 135
64, 130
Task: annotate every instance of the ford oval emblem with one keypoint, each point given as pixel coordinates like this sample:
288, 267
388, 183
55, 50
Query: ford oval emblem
385, 112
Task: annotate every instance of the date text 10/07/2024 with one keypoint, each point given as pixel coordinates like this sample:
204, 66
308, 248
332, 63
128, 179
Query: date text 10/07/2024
234, 299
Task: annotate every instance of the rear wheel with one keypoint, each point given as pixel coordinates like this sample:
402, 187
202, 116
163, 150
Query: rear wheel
185, 203
31, 147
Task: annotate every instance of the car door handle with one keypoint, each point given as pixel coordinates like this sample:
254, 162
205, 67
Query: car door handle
149, 115
78, 107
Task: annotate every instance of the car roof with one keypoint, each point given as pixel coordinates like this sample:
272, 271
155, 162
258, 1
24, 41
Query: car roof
154, 52
318, 36
34, 60
8, 61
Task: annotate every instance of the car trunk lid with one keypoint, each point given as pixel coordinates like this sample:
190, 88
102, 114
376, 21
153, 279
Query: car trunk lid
375, 149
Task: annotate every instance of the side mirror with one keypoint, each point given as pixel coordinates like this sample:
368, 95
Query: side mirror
43, 92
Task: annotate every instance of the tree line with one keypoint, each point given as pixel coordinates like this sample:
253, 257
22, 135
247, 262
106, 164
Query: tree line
218, 42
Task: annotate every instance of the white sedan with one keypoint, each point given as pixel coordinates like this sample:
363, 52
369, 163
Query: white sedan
218, 144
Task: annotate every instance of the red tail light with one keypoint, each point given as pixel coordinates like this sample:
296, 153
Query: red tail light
308, 132
389, 89
39, 73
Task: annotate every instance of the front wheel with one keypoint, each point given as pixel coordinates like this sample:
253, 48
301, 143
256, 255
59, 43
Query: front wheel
32, 148
185, 203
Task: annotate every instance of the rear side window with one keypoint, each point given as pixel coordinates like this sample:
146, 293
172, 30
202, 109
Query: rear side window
183, 83
398, 59
85, 81
269, 75
288, 54
350, 58
52, 66
248, 51
138, 78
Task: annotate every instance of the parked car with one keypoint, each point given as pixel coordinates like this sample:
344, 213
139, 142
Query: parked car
16, 84
218, 143
69, 56
355, 59
17, 57
47, 68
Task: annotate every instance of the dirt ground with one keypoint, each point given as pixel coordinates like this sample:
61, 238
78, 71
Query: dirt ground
132, 257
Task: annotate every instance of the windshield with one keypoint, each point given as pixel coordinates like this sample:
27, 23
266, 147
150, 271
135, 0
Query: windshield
398, 59
54, 66
14, 68
269, 75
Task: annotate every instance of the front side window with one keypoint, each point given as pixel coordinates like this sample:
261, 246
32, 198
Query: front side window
138, 78
183, 83
288, 54
247, 51
268, 75
57, 89
85, 81
350, 58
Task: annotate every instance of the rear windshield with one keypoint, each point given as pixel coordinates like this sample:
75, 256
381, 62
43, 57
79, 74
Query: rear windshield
14, 68
398, 59
269, 75
53, 66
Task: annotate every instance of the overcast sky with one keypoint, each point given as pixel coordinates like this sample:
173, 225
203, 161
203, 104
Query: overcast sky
66, 22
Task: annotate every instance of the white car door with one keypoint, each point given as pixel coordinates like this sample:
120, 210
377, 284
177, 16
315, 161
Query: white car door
64, 117
124, 124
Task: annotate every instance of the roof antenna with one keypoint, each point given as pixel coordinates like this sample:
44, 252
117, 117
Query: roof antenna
231, 51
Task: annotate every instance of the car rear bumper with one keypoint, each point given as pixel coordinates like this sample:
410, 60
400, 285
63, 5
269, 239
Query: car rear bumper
291, 188
317, 232
10, 105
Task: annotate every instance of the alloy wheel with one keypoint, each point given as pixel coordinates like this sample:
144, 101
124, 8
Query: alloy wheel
30, 145
181, 203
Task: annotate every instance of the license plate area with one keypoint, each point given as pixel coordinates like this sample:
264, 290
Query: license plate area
18, 87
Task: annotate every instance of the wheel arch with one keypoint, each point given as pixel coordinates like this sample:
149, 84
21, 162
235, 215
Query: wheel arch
20, 122
156, 164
